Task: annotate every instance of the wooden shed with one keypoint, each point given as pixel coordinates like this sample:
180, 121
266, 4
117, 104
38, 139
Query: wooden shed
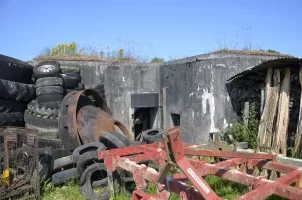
274, 87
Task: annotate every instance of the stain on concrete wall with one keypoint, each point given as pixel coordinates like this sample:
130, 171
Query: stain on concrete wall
196, 90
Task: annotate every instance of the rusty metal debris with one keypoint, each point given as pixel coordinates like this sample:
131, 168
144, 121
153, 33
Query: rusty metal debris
69, 108
93, 122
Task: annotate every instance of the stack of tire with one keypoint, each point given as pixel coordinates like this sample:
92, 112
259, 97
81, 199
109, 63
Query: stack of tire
16, 90
72, 79
42, 113
84, 165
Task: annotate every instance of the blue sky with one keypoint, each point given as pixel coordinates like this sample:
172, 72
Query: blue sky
166, 28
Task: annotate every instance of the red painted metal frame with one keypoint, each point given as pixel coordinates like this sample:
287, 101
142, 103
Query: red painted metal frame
173, 152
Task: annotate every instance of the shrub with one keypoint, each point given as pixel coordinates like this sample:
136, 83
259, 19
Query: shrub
242, 132
157, 60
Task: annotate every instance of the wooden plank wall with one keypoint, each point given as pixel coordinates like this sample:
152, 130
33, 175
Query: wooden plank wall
274, 120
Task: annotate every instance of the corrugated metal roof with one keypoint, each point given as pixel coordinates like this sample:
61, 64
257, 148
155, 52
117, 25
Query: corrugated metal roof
276, 63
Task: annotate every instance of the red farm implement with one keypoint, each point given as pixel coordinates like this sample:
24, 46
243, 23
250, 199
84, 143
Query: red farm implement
173, 152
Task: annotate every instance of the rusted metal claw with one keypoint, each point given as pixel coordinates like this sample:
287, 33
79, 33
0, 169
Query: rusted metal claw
69, 108
176, 153
92, 122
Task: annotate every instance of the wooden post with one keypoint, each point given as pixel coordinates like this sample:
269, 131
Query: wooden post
280, 139
262, 125
262, 101
272, 111
246, 113
164, 108
132, 134
298, 139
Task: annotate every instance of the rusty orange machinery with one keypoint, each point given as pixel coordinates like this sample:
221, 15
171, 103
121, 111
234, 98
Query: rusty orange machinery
173, 152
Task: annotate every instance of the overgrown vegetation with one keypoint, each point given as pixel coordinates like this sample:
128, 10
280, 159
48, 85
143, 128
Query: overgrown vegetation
251, 51
245, 132
223, 188
157, 60
74, 51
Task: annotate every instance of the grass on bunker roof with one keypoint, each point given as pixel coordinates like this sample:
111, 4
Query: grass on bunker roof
223, 188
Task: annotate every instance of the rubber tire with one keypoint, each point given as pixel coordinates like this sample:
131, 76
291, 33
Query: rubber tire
110, 141
152, 138
100, 91
15, 70
54, 73
49, 81
92, 146
49, 143
63, 176
47, 133
11, 119
54, 153
49, 90
66, 162
39, 122
52, 105
49, 98
86, 188
87, 159
45, 164
9, 106
122, 138
71, 80
49, 155
70, 69
103, 96
40, 111
17, 91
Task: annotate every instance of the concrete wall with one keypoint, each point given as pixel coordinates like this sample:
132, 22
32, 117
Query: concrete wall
195, 89
120, 80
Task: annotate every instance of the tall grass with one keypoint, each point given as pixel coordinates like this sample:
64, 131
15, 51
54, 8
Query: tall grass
76, 51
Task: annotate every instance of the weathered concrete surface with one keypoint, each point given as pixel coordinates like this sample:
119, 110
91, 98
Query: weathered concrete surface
120, 80
196, 90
